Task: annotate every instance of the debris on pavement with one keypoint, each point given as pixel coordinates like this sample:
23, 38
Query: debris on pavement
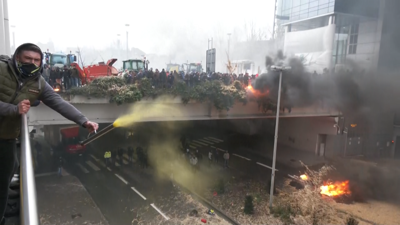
182, 209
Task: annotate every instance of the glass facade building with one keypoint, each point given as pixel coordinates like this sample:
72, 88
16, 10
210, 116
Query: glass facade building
293, 10
348, 29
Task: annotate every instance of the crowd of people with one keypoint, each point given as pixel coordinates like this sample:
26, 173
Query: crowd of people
166, 79
66, 77
117, 156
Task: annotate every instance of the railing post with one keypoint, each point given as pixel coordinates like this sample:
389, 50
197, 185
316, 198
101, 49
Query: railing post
28, 188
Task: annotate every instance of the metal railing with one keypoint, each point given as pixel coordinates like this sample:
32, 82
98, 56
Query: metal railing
29, 212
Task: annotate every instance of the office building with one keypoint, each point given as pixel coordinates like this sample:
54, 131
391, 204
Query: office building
333, 33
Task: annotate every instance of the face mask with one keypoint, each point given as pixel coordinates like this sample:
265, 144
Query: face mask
27, 69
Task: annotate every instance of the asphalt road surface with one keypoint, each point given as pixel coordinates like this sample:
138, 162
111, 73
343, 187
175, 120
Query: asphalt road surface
119, 191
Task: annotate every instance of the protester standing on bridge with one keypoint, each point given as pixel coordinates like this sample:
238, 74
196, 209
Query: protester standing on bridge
21, 84
46, 73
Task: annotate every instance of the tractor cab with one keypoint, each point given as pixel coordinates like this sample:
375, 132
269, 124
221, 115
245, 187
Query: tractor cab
59, 59
194, 68
133, 65
171, 67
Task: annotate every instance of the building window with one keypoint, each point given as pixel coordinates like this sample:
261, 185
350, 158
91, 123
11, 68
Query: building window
353, 39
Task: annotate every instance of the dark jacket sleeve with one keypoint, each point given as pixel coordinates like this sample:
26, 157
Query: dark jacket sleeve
58, 104
7, 109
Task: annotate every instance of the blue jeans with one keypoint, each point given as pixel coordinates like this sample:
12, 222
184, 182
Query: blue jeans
75, 81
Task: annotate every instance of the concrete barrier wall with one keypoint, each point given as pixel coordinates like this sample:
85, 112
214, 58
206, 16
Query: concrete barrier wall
99, 110
302, 133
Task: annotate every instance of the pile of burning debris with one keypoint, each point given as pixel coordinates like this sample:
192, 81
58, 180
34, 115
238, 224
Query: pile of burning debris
339, 191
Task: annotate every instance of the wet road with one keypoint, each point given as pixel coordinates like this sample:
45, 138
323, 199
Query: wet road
119, 191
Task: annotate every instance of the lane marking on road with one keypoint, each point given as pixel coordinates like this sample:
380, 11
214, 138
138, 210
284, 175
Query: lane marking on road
137, 192
218, 149
216, 139
109, 168
197, 145
45, 174
98, 160
159, 211
94, 158
102, 163
210, 139
241, 157
82, 168
117, 164
192, 146
198, 142
206, 141
266, 166
122, 179
94, 167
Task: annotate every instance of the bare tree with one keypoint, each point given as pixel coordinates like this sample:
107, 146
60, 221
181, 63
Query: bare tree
252, 34
80, 57
229, 65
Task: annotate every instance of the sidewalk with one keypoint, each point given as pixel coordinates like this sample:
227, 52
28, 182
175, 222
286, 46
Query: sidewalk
65, 201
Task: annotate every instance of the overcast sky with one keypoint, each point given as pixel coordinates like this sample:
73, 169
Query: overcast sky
155, 25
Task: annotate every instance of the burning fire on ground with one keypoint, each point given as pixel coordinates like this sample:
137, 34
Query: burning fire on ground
336, 188
332, 189
257, 93
304, 177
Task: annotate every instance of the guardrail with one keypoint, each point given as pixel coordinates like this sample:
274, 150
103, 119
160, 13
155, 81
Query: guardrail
29, 213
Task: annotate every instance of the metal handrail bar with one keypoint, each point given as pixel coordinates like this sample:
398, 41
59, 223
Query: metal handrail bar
29, 213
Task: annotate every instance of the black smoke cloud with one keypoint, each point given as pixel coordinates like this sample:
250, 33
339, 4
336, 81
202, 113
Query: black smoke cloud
301, 88
359, 95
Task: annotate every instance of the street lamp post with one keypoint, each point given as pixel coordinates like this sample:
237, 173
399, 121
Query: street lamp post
229, 42
6, 28
118, 45
13, 36
271, 192
127, 25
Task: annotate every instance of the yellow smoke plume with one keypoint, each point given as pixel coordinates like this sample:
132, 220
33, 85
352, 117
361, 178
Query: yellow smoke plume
160, 107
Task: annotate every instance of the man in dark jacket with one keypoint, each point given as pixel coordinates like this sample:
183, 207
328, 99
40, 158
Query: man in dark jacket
21, 84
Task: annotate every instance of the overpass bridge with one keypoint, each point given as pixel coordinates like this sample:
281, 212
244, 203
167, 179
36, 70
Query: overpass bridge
101, 111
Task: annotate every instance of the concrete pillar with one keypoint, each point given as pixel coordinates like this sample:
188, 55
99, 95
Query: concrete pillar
332, 19
2, 30
6, 28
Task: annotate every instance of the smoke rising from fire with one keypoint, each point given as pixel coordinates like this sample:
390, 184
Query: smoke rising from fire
353, 91
366, 99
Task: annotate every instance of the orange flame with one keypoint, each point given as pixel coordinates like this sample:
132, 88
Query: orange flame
336, 188
255, 92
304, 177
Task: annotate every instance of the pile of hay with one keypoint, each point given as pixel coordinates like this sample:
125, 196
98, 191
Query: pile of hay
307, 206
291, 206
118, 90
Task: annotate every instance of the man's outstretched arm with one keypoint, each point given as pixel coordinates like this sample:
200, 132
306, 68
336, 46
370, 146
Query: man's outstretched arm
58, 104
